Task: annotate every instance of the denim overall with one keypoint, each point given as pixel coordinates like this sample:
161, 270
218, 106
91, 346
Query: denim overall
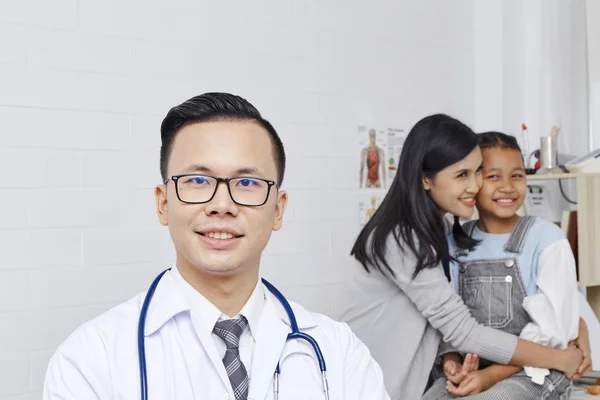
494, 291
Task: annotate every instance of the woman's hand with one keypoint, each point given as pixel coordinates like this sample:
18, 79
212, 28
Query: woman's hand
572, 359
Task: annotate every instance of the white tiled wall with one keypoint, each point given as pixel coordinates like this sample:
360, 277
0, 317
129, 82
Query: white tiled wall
593, 31
84, 85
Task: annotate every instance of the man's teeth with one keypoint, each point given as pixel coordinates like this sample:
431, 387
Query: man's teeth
505, 200
468, 200
219, 235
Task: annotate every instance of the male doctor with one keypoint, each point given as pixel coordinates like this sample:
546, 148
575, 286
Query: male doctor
213, 330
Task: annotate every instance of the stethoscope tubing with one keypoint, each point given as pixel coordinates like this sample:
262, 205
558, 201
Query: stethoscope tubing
294, 334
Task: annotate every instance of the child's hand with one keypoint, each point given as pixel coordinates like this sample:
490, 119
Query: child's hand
452, 369
455, 369
475, 382
471, 363
583, 344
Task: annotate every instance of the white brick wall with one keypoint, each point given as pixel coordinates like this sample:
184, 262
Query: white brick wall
593, 30
84, 85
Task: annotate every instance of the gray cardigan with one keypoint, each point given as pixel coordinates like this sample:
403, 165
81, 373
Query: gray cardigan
403, 320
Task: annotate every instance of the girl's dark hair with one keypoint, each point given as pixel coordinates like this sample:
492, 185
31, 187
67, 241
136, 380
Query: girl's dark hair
407, 211
491, 139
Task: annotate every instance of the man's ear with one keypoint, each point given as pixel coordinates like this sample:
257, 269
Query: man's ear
280, 206
160, 195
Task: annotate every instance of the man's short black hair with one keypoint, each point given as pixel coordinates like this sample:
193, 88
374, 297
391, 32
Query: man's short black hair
209, 107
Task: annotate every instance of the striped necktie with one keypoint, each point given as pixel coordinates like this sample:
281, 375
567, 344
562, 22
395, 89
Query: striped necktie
230, 331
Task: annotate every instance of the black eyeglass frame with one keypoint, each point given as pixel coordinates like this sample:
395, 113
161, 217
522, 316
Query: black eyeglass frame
219, 180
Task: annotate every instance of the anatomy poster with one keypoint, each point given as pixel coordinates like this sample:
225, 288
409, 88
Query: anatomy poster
395, 139
379, 153
373, 145
380, 150
367, 205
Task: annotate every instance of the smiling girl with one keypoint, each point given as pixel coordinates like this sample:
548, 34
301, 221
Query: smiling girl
520, 278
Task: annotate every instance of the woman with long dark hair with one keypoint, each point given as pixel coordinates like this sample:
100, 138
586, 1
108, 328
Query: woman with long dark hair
400, 302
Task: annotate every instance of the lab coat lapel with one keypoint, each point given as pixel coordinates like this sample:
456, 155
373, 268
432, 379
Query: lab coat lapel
270, 341
211, 350
169, 301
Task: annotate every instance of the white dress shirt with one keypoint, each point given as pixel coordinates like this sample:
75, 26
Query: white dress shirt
199, 305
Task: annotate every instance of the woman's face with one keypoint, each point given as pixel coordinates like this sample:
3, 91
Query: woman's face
454, 188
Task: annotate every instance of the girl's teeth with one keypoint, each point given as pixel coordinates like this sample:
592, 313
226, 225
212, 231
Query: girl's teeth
504, 201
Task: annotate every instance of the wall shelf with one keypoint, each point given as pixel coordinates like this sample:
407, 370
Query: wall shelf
570, 175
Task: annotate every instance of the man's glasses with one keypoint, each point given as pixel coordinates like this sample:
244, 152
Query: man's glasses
243, 190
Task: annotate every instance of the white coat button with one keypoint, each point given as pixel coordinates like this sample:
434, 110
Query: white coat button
508, 279
509, 263
226, 396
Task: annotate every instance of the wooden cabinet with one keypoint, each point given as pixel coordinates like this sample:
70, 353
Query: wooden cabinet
588, 230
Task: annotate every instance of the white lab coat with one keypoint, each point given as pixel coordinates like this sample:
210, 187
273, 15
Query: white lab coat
100, 359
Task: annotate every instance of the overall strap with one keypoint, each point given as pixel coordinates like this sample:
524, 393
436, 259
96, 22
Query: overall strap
516, 241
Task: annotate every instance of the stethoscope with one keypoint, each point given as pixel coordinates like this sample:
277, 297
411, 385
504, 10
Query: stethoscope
294, 334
